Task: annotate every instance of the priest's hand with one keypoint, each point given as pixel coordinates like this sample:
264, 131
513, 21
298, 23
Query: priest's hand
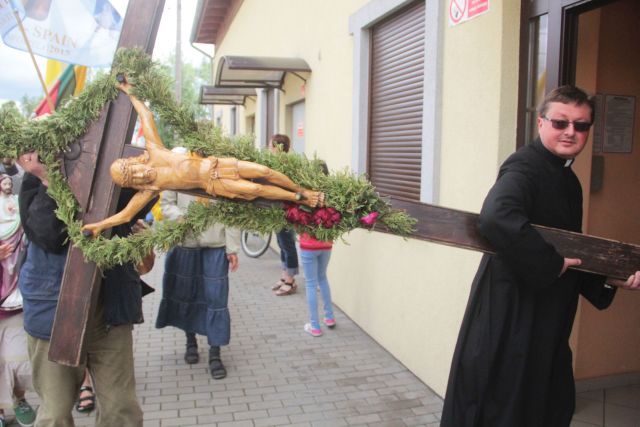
569, 262
632, 283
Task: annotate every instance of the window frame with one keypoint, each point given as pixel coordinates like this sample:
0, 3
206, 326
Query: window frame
360, 24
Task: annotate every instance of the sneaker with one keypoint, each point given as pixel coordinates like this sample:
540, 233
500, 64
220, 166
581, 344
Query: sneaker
331, 323
25, 415
312, 331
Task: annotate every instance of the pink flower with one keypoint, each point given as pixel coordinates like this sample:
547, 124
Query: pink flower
370, 219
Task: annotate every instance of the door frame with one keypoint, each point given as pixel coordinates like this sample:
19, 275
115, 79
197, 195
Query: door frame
561, 47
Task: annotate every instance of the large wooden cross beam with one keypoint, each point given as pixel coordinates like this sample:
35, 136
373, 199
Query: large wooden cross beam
458, 228
89, 179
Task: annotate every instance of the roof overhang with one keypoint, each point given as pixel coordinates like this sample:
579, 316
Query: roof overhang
211, 18
225, 95
257, 71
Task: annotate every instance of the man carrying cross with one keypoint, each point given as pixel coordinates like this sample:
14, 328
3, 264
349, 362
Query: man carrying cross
512, 364
108, 349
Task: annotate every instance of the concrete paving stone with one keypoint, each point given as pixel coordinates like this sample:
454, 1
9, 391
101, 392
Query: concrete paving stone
148, 392
161, 399
334, 422
194, 396
422, 420
178, 405
271, 421
178, 421
290, 388
231, 408
388, 423
246, 399
249, 385
272, 382
150, 407
322, 407
428, 409
162, 385
355, 381
284, 396
405, 403
285, 410
361, 394
162, 414
350, 403
196, 412
391, 390
227, 393
271, 404
363, 419
245, 423
250, 415
306, 417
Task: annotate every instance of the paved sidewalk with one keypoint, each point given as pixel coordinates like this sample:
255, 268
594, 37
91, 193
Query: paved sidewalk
277, 374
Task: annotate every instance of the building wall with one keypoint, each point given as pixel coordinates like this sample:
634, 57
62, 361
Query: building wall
408, 295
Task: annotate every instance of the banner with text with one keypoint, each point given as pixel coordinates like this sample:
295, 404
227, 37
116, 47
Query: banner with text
83, 32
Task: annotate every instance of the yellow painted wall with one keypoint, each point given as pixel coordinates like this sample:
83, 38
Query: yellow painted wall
408, 295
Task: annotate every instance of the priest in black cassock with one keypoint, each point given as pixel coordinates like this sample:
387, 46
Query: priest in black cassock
512, 364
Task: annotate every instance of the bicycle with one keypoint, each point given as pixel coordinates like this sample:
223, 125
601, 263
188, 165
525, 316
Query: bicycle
254, 244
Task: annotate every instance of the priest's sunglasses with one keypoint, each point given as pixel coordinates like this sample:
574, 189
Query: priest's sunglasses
563, 124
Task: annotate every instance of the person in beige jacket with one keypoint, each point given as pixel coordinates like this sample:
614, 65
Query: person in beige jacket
195, 286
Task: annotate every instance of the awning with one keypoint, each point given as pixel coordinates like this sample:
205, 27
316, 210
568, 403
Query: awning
257, 72
225, 95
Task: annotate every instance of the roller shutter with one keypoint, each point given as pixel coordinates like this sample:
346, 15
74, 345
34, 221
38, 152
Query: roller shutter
396, 103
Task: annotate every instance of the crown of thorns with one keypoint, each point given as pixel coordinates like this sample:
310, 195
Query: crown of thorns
124, 166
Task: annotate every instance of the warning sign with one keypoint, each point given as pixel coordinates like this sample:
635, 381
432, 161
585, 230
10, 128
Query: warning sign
463, 10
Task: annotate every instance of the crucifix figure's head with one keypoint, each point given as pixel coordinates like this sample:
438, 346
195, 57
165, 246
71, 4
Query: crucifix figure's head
133, 172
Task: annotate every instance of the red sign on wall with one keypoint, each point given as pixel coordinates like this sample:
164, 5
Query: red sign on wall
463, 10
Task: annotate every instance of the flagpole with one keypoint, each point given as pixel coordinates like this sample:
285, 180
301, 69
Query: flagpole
33, 58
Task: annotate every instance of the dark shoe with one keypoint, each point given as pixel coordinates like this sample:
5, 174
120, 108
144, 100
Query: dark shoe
86, 404
191, 356
216, 367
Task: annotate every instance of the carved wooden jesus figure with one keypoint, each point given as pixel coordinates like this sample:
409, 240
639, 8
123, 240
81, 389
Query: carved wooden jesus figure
159, 168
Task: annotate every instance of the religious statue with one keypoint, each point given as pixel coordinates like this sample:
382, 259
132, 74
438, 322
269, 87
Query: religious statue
159, 168
11, 243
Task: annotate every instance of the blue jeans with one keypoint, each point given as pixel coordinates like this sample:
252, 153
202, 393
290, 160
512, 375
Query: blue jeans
314, 265
288, 253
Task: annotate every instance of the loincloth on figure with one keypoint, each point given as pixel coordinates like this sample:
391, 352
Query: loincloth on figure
222, 175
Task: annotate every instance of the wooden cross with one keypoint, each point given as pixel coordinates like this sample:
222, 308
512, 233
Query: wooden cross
87, 168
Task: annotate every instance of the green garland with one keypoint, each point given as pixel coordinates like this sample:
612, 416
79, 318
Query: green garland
353, 196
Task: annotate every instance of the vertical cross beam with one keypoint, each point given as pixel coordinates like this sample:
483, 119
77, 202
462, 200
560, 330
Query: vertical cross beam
97, 194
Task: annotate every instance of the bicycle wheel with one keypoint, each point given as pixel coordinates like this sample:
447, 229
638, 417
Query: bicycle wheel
254, 244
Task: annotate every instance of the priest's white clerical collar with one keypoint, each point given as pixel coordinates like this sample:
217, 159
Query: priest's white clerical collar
568, 163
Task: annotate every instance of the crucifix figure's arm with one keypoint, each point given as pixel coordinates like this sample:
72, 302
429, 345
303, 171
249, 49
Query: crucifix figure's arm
135, 205
147, 122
